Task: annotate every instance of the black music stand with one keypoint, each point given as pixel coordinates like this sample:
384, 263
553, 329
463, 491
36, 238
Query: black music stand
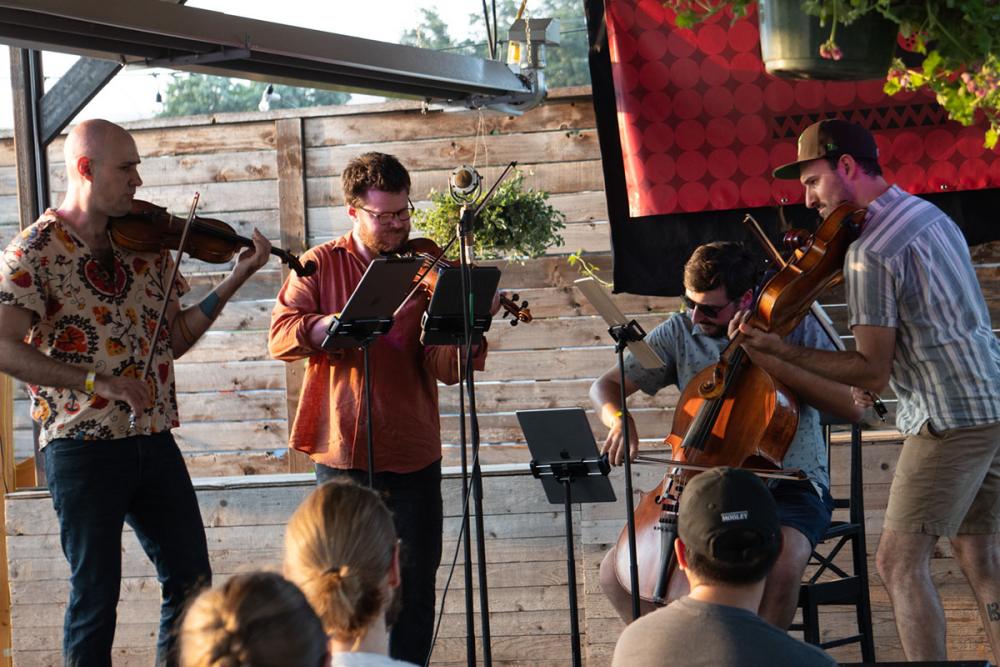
443, 321
564, 456
626, 334
368, 314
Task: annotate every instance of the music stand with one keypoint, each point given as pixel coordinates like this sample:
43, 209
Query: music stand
628, 334
443, 321
564, 456
368, 314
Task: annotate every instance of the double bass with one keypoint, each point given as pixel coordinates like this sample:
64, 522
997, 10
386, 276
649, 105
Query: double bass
733, 413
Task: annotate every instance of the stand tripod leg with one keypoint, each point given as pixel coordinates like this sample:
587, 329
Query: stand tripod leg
368, 416
470, 626
633, 568
574, 617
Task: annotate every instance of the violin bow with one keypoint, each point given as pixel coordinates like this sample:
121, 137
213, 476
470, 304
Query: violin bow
791, 474
166, 299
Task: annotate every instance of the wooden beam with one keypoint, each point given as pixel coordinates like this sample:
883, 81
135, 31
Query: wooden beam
72, 92
26, 155
292, 223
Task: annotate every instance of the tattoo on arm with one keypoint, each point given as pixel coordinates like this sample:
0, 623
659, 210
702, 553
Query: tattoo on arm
993, 610
209, 305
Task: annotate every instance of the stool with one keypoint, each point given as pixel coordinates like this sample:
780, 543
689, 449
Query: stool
829, 584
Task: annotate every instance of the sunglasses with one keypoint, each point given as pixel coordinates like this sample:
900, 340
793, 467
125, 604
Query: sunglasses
708, 311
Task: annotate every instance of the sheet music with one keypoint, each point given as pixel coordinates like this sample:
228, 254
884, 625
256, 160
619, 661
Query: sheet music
607, 309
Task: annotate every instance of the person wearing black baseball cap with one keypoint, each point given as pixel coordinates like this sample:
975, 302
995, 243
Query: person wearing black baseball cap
921, 326
729, 538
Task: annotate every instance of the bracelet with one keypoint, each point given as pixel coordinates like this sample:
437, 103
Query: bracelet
88, 384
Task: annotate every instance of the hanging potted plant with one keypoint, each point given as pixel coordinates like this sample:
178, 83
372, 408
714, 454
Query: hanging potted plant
517, 223
797, 45
956, 37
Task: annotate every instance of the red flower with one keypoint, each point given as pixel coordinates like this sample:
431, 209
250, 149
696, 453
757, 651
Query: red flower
21, 278
72, 340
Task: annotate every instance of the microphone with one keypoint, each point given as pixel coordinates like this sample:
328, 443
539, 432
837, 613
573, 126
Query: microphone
465, 184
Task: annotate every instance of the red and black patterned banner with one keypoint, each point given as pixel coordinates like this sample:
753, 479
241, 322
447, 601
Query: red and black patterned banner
702, 125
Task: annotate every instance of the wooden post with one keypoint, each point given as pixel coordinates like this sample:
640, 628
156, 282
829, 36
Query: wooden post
7, 461
292, 222
32, 193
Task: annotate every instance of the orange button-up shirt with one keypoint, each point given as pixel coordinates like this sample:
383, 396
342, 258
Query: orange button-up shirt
330, 424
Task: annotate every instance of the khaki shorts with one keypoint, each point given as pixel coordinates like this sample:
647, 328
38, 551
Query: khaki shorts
947, 483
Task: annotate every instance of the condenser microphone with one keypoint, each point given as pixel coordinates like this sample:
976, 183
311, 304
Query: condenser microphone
465, 184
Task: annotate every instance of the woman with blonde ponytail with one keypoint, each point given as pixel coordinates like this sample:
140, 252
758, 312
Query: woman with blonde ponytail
341, 550
258, 619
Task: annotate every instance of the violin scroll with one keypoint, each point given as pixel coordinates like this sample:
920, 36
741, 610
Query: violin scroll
796, 239
518, 313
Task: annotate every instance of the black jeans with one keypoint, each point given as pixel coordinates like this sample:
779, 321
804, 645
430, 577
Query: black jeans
415, 502
96, 487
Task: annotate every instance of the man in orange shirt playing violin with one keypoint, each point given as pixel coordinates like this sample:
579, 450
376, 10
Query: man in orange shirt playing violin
330, 424
719, 280
77, 315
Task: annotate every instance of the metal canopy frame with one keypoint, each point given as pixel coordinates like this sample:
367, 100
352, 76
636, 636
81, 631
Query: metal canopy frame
164, 34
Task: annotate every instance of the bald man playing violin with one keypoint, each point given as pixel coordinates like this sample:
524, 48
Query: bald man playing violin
719, 280
921, 326
77, 315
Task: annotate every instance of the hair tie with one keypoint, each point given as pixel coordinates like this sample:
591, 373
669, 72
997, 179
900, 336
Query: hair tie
338, 572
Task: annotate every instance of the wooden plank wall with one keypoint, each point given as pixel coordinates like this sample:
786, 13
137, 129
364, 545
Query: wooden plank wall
233, 399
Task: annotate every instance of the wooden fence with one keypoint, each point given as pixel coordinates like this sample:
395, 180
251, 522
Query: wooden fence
280, 172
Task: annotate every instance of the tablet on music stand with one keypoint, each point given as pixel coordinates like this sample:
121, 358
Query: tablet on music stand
563, 435
442, 323
607, 309
369, 311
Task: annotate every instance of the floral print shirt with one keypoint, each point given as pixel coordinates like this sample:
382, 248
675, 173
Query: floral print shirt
84, 317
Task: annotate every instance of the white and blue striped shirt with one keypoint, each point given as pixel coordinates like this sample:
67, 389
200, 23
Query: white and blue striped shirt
911, 270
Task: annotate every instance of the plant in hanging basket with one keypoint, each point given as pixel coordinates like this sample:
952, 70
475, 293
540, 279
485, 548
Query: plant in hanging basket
517, 223
958, 39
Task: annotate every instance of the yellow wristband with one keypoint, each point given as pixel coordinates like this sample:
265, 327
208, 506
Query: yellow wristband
88, 384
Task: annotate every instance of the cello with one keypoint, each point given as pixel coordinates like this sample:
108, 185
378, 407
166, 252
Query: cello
733, 413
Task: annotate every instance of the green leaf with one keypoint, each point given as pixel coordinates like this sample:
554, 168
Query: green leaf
991, 137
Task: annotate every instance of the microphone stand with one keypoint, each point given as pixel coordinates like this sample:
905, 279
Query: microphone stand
624, 334
466, 225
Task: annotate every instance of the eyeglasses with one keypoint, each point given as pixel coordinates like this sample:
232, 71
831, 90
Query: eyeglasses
386, 217
706, 310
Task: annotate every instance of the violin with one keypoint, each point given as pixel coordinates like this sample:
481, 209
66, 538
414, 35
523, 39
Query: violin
434, 263
733, 413
148, 228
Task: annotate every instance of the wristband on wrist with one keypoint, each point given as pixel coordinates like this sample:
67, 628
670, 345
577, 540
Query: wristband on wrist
88, 384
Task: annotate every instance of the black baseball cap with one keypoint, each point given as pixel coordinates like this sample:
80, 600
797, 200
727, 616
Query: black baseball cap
832, 137
729, 515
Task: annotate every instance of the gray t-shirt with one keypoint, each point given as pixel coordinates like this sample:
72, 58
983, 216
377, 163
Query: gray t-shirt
685, 350
692, 633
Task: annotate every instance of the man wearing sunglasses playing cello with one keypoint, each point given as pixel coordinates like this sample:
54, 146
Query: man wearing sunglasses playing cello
719, 280
921, 326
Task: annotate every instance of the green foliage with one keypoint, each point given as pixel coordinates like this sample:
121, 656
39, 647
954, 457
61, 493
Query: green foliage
188, 95
958, 38
430, 33
586, 268
567, 63
517, 223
